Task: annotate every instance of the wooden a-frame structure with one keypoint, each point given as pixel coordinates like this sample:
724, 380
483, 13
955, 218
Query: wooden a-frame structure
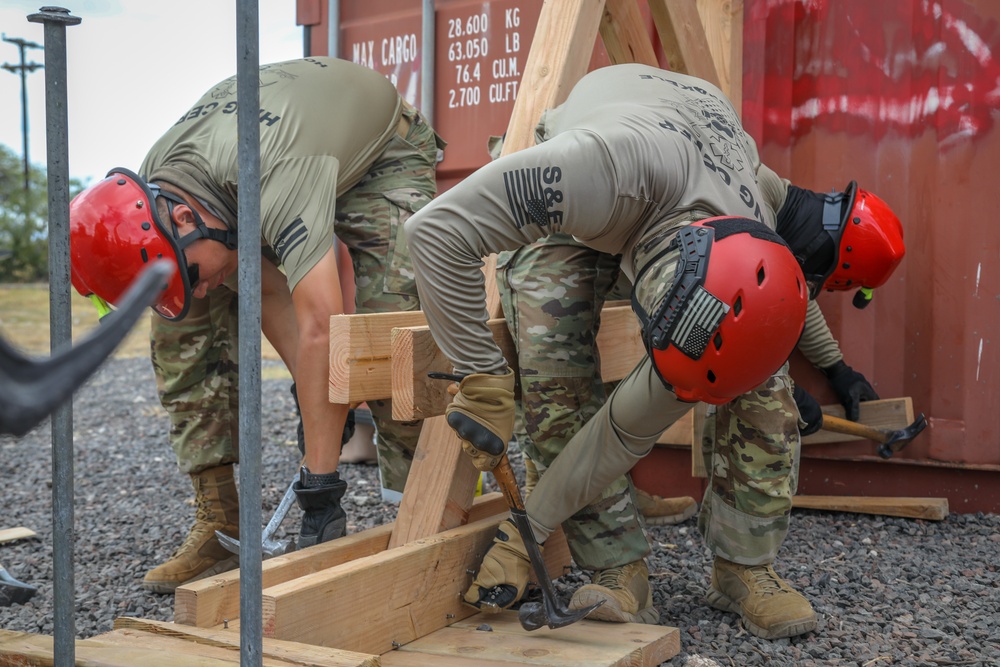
356, 600
391, 595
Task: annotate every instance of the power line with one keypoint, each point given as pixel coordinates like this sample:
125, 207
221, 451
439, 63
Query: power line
23, 69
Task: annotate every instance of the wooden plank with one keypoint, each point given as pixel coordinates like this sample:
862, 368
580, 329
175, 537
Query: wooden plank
722, 21
683, 38
18, 649
439, 487
17, 533
360, 362
415, 353
183, 652
582, 644
624, 34
213, 600
933, 509
274, 649
396, 596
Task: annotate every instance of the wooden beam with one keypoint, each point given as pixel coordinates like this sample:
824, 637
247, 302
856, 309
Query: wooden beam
722, 21
360, 360
560, 53
143, 631
439, 488
392, 597
582, 644
414, 354
18, 533
683, 38
624, 34
18, 649
932, 509
211, 601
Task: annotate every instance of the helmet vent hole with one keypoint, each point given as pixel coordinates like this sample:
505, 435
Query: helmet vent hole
717, 341
738, 306
145, 256
711, 377
760, 276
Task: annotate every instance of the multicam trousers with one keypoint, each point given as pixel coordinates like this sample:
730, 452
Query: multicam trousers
753, 462
552, 294
195, 359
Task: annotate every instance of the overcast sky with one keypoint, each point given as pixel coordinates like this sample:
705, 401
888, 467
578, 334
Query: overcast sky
133, 67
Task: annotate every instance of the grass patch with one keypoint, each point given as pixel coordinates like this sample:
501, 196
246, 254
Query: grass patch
24, 322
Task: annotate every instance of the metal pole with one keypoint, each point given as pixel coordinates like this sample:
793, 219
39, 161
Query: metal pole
333, 29
248, 214
55, 20
23, 69
427, 42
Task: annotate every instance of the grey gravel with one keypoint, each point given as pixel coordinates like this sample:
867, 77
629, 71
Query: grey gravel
887, 591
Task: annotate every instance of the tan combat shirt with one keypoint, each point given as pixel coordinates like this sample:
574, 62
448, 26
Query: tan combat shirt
323, 122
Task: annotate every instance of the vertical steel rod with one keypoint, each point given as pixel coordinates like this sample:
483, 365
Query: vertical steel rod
248, 214
333, 28
55, 20
427, 62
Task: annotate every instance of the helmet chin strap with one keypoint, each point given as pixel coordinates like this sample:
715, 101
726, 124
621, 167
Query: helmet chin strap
226, 237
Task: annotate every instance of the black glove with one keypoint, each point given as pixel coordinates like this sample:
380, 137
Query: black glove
809, 411
300, 431
851, 388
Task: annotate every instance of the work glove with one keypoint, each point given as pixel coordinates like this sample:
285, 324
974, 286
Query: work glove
503, 575
482, 414
851, 388
810, 415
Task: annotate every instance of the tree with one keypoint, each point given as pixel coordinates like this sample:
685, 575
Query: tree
23, 220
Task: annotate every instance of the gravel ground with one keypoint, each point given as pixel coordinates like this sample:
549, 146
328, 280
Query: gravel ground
887, 591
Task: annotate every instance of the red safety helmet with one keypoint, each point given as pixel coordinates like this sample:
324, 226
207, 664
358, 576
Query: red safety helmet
868, 239
871, 243
115, 231
733, 315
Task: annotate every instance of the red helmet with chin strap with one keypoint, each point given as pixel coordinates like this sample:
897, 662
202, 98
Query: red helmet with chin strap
867, 240
871, 243
115, 231
733, 315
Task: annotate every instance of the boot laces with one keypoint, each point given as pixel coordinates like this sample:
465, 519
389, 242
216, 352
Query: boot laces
767, 580
612, 578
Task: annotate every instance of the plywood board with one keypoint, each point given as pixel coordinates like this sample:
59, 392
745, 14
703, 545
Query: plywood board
582, 644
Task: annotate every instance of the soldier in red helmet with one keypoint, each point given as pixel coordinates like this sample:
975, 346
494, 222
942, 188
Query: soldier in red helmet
724, 257
342, 153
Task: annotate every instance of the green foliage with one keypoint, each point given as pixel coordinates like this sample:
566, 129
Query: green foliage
23, 220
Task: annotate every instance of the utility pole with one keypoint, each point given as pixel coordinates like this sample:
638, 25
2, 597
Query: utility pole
23, 69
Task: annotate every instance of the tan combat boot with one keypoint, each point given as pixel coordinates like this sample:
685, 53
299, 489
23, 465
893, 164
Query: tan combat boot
201, 555
627, 595
659, 511
769, 607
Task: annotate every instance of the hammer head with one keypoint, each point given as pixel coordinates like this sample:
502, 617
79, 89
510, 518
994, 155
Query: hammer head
896, 440
269, 548
13, 591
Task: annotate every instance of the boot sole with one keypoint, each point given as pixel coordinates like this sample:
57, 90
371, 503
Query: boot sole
168, 587
610, 611
793, 628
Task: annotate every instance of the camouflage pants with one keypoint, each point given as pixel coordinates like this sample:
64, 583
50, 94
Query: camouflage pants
195, 359
552, 293
751, 449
